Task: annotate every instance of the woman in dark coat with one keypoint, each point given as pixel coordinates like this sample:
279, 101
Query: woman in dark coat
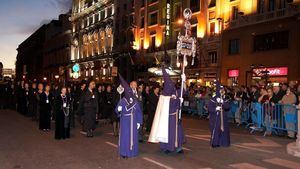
45, 109
62, 114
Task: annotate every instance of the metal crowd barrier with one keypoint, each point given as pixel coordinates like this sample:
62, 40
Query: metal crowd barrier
272, 118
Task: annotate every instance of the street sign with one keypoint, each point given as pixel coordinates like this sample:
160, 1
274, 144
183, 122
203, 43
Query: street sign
76, 67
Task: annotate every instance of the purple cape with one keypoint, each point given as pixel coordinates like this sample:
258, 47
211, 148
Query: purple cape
130, 115
218, 137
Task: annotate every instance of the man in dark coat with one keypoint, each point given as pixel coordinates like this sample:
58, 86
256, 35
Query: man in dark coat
88, 107
24, 99
32, 107
151, 106
218, 108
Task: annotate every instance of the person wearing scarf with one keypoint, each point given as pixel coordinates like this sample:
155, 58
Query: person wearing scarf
62, 111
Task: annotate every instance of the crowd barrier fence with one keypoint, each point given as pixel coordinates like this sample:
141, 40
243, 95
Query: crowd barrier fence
272, 118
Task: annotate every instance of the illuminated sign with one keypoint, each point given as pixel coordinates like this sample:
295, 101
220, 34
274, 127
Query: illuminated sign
233, 73
168, 18
76, 67
76, 75
274, 71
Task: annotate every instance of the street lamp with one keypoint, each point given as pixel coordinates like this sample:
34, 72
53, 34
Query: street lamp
186, 46
180, 21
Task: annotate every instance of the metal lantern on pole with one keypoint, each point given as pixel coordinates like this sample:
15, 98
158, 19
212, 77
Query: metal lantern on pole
186, 46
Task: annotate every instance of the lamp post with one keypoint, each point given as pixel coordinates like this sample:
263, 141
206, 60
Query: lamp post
186, 46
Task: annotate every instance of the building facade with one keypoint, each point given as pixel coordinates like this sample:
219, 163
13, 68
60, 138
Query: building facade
260, 42
158, 24
124, 24
30, 56
57, 49
92, 39
1, 70
8, 72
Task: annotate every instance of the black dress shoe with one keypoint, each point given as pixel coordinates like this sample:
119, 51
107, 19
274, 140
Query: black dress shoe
124, 157
215, 146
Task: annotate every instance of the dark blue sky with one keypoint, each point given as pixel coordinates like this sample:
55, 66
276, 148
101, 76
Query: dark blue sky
20, 18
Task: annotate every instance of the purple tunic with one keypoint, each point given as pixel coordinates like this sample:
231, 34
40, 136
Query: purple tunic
218, 137
130, 115
173, 120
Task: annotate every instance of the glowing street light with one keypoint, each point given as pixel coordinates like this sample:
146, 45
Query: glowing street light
180, 21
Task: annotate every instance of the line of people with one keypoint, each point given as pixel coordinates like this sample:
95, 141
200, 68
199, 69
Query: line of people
131, 108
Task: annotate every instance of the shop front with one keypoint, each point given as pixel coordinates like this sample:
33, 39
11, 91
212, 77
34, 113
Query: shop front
270, 74
233, 75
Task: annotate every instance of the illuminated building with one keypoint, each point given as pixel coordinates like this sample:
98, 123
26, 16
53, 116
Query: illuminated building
259, 36
92, 31
158, 24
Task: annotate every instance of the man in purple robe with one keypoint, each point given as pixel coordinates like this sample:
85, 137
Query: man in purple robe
218, 108
166, 127
131, 118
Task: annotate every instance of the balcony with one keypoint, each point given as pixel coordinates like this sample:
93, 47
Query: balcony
213, 38
86, 9
263, 17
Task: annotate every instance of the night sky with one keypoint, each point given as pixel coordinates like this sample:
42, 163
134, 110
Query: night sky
20, 18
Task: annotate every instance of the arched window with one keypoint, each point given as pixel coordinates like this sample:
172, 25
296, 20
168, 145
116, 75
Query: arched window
109, 38
102, 41
90, 45
85, 45
95, 44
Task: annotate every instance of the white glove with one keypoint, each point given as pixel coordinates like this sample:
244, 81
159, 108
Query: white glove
218, 108
119, 108
138, 125
222, 100
183, 77
218, 100
181, 100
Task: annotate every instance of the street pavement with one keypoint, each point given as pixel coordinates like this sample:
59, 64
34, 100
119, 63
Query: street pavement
24, 146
